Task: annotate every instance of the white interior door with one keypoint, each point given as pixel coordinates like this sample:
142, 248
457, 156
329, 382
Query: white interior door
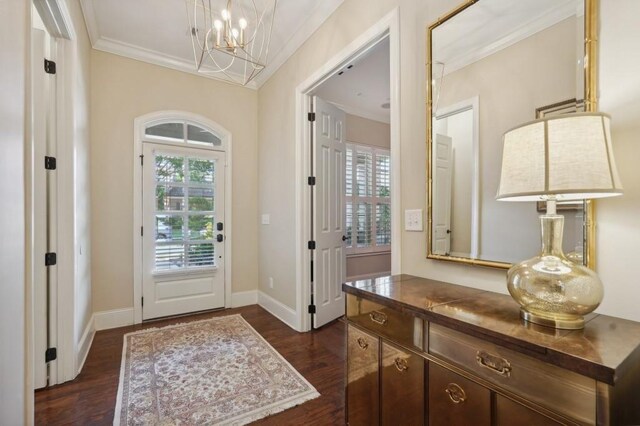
40, 226
441, 209
183, 230
329, 213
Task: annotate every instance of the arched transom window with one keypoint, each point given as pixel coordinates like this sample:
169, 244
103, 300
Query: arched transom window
182, 132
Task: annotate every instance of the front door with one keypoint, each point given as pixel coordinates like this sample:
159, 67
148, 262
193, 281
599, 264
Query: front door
329, 259
183, 230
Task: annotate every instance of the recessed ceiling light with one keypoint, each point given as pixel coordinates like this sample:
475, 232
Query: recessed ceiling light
385, 105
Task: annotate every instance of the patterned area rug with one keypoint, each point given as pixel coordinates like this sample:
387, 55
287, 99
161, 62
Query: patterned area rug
217, 371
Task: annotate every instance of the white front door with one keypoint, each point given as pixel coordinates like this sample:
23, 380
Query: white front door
329, 259
183, 230
441, 209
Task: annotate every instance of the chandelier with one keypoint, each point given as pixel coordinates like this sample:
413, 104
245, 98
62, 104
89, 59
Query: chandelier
231, 39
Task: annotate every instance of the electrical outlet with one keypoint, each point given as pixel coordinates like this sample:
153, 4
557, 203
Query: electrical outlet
413, 220
270, 282
266, 219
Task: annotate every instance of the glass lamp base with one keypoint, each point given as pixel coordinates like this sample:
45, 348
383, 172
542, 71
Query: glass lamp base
549, 321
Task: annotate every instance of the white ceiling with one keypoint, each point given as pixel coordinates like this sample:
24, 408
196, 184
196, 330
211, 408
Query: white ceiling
158, 31
491, 25
362, 89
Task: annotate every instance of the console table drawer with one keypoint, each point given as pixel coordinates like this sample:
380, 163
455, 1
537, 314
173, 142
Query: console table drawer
557, 389
388, 322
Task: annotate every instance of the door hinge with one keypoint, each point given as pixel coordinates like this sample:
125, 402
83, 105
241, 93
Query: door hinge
50, 259
50, 163
142, 159
311, 116
50, 354
142, 231
311, 180
142, 301
311, 274
311, 245
312, 309
49, 67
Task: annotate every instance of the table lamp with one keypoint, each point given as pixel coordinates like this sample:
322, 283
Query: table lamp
564, 157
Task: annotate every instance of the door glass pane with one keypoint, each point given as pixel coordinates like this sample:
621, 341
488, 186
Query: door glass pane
166, 131
201, 171
170, 256
201, 136
201, 199
169, 227
200, 227
169, 168
169, 198
201, 255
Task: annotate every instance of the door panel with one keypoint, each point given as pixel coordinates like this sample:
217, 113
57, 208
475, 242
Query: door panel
443, 153
183, 248
456, 401
510, 413
362, 378
328, 212
402, 393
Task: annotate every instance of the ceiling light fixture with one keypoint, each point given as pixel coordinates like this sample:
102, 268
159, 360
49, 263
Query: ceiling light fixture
231, 39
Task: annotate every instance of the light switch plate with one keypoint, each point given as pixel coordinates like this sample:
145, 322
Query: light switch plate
413, 220
266, 219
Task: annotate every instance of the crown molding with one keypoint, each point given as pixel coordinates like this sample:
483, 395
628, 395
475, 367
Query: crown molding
323, 10
543, 22
320, 14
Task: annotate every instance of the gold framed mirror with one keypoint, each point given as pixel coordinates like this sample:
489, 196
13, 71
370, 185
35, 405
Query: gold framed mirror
492, 65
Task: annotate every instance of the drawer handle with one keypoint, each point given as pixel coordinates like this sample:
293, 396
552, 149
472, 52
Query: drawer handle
378, 317
362, 343
494, 363
456, 393
401, 364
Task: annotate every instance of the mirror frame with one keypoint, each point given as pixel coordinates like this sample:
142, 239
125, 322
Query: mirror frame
591, 19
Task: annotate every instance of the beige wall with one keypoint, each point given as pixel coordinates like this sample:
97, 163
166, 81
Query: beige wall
123, 89
359, 266
78, 148
364, 131
618, 231
16, 386
277, 138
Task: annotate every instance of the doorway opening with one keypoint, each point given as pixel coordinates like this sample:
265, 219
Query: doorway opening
348, 212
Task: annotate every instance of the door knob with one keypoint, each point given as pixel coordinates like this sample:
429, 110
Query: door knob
219, 226
220, 238
448, 231
344, 238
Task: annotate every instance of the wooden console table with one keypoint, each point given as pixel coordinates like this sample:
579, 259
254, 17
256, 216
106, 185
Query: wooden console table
426, 352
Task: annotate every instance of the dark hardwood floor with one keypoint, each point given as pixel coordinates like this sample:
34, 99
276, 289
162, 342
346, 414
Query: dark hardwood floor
318, 355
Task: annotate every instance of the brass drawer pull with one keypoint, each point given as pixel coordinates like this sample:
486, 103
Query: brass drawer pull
362, 343
401, 364
456, 393
494, 363
378, 317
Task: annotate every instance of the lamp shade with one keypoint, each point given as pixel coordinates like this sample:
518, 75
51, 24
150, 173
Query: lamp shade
568, 156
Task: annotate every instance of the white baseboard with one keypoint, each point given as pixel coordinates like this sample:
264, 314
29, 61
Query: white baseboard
115, 318
368, 276
278, 310
85, 344
244, 298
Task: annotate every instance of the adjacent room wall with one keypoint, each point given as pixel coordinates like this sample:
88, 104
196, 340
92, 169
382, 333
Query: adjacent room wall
123, 89
276, 131
364, 131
